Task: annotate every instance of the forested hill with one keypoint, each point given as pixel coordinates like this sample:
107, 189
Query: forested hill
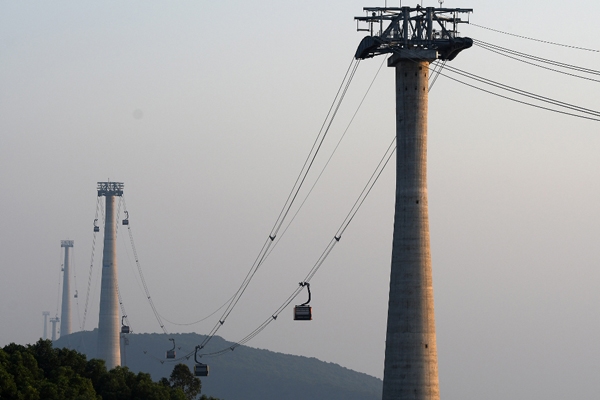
243, 374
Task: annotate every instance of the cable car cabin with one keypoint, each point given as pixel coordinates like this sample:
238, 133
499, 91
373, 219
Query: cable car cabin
96, 229
201, 369
126, 222
170, 353
302, 313
125, 329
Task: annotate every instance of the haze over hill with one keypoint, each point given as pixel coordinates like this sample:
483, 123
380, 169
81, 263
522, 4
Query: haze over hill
246, 373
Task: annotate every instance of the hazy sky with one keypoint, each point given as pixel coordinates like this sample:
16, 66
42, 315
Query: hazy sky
206, 111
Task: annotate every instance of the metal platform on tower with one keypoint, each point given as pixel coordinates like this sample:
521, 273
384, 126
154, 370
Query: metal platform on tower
410, 29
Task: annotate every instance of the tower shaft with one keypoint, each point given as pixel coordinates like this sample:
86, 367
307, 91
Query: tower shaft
45, 315
108, 322
411, 370
54, 321
65, 316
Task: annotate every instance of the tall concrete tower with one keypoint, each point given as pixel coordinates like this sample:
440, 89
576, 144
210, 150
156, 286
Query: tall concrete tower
415, 37
54, 321
65, 315
108, 324
45, 314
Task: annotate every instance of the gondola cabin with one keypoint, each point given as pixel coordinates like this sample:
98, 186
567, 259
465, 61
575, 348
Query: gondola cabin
302, 313
96, 229
201, 369
125, 329
170, 353
125, 222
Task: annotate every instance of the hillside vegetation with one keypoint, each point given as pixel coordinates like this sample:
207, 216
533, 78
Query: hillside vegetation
41, 372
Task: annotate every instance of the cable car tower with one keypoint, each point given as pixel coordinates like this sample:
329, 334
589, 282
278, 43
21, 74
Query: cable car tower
54, 321
109, 324
414, 38
65, 314
45, 315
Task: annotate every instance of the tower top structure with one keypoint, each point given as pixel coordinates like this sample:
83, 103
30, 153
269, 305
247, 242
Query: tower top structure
67, 243
110, 189
413, 33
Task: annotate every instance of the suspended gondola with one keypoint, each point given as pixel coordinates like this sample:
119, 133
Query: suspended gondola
124, 328
126, 220
199, 368
171, 353
303, 312
96, 227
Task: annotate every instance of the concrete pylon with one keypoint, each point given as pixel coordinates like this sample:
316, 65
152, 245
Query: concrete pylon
411, 369
45, 315
54, 321
65, 315
109, 348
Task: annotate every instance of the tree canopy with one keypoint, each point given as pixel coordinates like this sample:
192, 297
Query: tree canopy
41, 372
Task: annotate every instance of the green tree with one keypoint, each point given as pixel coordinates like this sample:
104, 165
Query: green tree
39, 372
182, 378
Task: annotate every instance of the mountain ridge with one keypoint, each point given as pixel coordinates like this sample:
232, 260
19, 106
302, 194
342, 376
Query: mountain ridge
246, 373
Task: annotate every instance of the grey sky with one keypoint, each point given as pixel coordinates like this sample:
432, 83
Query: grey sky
232, 95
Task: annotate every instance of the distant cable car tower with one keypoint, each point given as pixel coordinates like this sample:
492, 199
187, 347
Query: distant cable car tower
414, 38
54, 321
65, 315
109, 324
45, 314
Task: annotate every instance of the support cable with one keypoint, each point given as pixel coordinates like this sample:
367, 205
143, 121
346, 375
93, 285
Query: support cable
341, 93
595, 115
121, 304
437, 69
515, 56
201, 319
123, 312
60, 262
331, 156
534, 39
349, 217
76, 292
87, 296
139, 267
525, 93
306, 197
337, 237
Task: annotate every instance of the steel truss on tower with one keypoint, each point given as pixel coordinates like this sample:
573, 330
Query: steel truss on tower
110, 189
419, 28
